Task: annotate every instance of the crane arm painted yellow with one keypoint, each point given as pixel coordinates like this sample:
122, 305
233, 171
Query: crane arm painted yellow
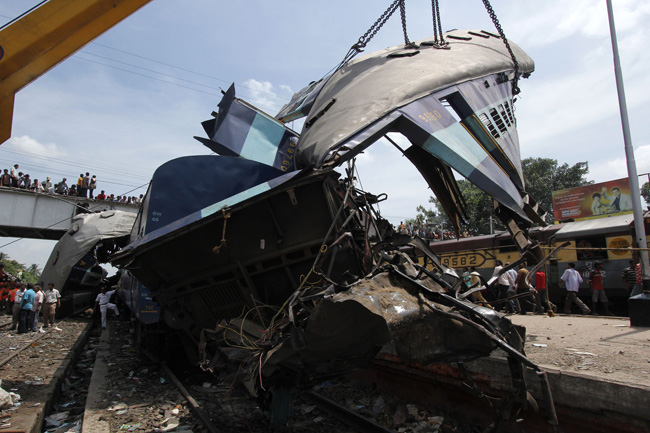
38, 41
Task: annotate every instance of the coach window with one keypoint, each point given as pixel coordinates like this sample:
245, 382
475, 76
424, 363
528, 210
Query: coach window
506, 246
591, 248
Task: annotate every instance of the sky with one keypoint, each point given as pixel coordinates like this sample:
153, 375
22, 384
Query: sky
133, 98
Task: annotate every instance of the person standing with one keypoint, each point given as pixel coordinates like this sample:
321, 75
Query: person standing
629, 277
80, 182
523, 287
62, 187
504, 281
103, 301
515, 306
5, 179
597, 291
36, 307
572, 280
4, 294
48, 186
542, 291
638, 286
52, 301
92, 185
14, 176
15, 311
85, 185
9, 305
26, 304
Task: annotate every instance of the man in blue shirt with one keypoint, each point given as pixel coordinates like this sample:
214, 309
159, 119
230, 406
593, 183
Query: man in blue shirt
26, 303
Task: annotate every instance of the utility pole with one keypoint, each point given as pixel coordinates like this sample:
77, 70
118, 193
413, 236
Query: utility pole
639, 305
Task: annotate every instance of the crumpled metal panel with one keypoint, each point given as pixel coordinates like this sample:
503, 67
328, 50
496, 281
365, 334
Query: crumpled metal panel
391, 312
370, 87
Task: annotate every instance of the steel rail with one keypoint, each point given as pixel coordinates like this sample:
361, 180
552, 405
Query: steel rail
345, 415
25, 346
198, 411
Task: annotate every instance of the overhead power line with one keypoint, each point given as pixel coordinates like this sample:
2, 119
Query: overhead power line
188, 70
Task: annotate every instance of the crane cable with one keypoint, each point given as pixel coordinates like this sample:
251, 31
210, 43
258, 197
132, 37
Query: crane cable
497, 25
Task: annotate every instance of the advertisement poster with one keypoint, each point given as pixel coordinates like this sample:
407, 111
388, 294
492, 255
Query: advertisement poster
592, 201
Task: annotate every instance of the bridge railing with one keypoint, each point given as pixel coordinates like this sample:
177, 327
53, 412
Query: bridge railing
35, 215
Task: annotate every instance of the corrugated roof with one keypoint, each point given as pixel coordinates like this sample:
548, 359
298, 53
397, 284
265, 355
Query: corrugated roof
595, 226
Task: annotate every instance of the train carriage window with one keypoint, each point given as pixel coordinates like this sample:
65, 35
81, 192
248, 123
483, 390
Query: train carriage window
591, 248
506, 246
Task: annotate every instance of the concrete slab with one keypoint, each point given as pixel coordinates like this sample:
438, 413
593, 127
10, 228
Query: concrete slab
95, 404
605, 348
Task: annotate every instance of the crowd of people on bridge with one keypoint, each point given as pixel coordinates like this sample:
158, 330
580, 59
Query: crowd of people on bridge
85, 186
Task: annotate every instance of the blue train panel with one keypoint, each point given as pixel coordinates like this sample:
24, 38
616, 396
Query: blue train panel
138, 299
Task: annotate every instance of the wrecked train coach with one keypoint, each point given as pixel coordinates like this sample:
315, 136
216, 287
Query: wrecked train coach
74, 265
278, 264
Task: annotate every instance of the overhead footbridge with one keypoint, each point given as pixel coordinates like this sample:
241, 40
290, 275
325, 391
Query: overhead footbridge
27, 214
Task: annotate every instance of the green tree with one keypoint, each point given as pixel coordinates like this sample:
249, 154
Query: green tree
545, 175
541, 175
31, 274
645, 192
479, 211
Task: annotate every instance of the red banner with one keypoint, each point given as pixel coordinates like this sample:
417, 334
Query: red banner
592, 201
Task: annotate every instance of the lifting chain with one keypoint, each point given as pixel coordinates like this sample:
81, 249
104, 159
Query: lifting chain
402, 12
495, 20
372, 31
439, 41
437, 27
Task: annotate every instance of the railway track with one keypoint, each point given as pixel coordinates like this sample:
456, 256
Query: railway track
147, 395
143, 394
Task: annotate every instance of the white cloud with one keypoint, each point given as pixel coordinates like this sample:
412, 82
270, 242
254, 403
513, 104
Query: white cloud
29, 146
263, 95
533, 24
383, 169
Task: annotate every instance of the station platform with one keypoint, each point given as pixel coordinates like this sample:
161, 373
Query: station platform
605, 348
598, 371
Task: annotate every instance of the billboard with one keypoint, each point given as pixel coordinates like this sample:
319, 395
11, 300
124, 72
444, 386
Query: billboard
592, 201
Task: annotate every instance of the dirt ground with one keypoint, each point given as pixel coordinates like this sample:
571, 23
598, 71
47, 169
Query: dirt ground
605, 347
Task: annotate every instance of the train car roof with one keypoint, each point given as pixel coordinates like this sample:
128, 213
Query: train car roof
595, 226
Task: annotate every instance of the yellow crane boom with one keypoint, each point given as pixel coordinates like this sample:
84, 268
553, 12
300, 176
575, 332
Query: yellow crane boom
39, 40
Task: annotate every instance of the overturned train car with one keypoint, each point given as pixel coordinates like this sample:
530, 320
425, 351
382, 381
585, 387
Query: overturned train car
277, 263
74, 266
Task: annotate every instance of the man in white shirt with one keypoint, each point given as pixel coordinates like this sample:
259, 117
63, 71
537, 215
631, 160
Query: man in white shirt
572, 280
15, 309
52, 301
103, 301
504, 282
619, 202
14, 176
36, 307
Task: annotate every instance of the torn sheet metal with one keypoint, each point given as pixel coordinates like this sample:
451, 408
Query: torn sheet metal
86, 231
241, 129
